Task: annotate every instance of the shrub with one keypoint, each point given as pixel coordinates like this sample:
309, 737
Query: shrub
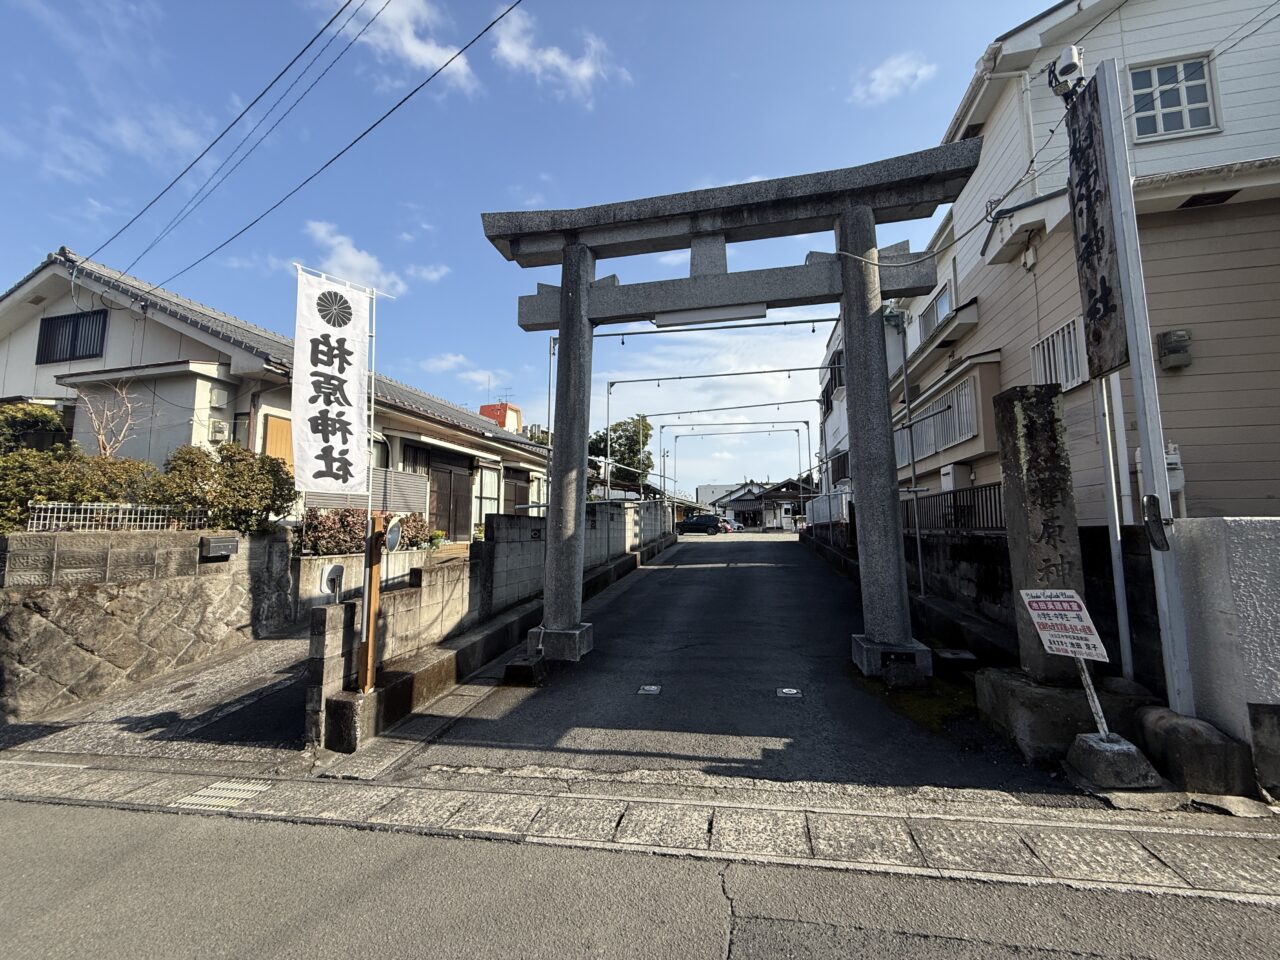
65, 474
30, 424
415, 532
240, 489
330, 532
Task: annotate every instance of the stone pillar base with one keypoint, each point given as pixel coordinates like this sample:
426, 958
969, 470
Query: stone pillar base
1110, 763
571, 645
901, 664
1043, 721
526, 670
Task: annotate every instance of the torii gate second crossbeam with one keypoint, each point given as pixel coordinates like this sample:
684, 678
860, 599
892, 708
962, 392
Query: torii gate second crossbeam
849, 201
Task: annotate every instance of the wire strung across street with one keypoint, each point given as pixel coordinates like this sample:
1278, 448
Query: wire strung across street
227, 129
736, 406
337, 156
197, 199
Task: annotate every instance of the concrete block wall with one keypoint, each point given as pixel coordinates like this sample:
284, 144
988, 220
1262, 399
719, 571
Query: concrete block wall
518, 555
309, 571
86, 614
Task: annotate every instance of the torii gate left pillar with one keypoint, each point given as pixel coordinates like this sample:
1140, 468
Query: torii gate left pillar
563, 635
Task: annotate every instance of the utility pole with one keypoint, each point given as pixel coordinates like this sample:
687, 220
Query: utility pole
896, 319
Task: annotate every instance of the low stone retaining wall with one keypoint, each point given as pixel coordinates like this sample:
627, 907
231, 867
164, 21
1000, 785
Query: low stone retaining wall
448, 621
85, 614
970, 575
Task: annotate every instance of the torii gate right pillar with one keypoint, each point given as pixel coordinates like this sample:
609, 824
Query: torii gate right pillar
885, 647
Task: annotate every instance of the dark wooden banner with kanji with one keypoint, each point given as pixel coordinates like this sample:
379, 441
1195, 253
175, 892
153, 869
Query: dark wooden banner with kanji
1092, 216
331, 387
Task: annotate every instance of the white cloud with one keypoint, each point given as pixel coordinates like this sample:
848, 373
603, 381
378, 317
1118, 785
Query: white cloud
344, 259
403, 33
443, 362
431, 272
570, 76
891, 78
674, 258
404, 236
483, 379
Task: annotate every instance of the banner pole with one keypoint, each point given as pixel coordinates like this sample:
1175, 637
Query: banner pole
370, 595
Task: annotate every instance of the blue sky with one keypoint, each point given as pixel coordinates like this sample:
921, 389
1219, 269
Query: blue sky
568, 103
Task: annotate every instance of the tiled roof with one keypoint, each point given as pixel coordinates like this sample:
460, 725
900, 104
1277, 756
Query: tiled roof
267, 344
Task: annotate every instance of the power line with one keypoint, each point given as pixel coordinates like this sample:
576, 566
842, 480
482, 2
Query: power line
197, 199
212, 143
337, 156
737, 406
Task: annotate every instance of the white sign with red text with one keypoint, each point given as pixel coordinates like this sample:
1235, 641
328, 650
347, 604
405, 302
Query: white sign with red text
1064, 624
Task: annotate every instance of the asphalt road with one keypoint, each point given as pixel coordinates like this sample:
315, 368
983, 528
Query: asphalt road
103, 884
720, 624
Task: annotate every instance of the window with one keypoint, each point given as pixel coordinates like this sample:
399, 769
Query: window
837, 375
1060, 357
1171, 98
935, 314
72, 336
488, 490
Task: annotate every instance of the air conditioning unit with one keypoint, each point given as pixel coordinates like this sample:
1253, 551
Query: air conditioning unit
219, 431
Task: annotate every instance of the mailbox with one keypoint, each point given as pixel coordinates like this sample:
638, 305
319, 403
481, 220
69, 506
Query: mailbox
213, 548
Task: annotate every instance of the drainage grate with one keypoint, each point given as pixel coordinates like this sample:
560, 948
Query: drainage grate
223, 795
650, 689
789, 692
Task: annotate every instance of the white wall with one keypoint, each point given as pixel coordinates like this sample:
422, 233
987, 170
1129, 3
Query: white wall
1229, 570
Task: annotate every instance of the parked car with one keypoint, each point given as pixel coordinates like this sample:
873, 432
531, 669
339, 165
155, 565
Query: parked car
737, 526
703, 523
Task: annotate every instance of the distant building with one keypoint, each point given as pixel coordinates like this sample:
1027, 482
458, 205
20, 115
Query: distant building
707, 492
506, 415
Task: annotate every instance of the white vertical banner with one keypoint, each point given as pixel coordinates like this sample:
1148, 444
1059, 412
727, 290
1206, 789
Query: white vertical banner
331, 386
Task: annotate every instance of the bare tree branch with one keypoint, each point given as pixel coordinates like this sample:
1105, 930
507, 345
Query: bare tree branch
112, 412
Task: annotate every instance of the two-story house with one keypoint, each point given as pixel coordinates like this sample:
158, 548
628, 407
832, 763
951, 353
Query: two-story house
1204, 142
83, 337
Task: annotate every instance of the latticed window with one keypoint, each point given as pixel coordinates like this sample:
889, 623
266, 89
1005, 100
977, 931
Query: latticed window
1060, 357
1171, 98
72, 336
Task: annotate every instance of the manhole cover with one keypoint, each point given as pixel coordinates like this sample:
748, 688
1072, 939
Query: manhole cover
789, 692
223, 795
650, 689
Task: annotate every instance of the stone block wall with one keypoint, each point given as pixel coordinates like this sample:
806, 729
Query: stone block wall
85, 614
972, 571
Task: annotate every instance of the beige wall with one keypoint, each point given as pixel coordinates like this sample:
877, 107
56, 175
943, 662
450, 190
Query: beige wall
1214, 272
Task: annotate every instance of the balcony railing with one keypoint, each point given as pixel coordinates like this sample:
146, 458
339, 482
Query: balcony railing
949, 419
968, 510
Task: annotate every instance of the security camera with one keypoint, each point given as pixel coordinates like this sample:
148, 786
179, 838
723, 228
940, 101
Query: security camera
1069, 63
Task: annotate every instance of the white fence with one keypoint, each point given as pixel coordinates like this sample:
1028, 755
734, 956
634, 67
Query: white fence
829, 508
50, 517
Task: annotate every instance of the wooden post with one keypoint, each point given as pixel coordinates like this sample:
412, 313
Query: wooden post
373, 564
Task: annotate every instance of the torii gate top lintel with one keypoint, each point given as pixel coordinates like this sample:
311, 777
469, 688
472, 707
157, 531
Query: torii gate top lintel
907, 187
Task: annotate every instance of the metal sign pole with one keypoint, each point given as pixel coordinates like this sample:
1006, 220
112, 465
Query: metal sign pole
1092, 694
1173, 627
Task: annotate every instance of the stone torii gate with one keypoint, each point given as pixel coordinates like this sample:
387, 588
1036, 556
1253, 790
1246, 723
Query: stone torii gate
851, 202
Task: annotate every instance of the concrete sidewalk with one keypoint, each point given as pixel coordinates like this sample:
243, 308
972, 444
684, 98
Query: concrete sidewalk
129, 886
936, 833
